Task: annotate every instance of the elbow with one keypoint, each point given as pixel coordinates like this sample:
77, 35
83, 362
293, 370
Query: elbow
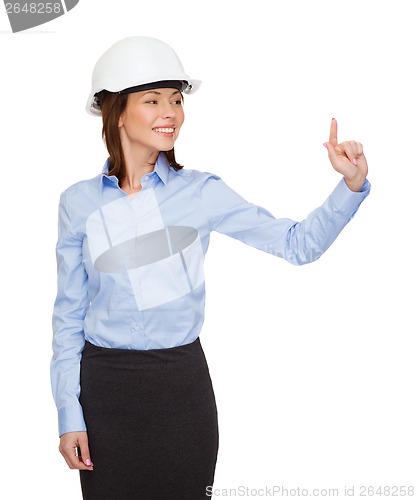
300, 249
303, 260
303, 256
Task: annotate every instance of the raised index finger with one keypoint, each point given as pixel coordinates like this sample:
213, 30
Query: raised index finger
333, 132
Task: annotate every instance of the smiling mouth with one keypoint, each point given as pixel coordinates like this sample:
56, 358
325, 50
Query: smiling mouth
165, 130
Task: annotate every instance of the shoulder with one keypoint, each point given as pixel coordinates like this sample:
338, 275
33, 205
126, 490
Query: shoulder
209, 188
82, 188
195, 176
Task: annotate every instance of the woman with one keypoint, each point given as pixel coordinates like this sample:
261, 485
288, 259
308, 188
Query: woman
136, 408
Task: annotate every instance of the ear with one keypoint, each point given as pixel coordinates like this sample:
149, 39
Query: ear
123, 115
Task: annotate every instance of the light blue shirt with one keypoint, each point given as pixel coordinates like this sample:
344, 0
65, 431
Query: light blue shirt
130, 270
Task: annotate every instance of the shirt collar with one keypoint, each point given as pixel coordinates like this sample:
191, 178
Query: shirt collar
161, 168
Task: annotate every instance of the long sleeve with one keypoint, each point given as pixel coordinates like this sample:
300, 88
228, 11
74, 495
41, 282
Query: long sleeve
68, 317
296, 242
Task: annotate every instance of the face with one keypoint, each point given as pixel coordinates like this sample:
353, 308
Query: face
152, 120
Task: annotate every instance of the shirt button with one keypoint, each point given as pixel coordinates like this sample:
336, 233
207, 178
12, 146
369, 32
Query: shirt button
145, 177
136, 327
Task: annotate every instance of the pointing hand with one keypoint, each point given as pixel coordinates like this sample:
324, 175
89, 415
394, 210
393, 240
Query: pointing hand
347, 158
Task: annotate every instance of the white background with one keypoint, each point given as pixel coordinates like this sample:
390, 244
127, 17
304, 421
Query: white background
313, 367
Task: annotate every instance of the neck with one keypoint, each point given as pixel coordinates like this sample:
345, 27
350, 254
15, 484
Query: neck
137, 165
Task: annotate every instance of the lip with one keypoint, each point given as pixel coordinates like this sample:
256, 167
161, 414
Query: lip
165, 134
168, 125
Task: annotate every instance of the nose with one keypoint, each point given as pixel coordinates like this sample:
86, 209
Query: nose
168, 111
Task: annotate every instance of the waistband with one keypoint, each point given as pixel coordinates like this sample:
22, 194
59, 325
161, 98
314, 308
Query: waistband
168, 353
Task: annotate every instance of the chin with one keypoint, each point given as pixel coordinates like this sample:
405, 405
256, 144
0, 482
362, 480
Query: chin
166, 147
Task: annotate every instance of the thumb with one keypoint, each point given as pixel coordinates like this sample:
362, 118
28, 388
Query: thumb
331, 150
85, 452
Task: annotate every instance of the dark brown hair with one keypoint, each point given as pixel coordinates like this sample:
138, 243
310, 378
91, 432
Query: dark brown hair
112, 105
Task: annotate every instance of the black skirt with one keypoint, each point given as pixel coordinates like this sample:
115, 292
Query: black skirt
152, 423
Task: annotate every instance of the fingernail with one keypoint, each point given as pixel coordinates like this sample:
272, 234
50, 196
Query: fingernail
326, 145
88, 462
333, 118
354, 161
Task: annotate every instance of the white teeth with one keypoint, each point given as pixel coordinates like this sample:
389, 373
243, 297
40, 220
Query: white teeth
165, 130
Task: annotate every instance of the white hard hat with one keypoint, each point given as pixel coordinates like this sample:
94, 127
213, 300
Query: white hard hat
136, 61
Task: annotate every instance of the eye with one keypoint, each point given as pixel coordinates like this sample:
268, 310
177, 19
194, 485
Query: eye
178, 101
151, 102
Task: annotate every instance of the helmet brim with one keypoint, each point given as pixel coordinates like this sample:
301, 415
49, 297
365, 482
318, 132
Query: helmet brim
93, 108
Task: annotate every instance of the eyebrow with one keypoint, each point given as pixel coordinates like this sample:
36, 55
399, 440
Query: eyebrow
159, 93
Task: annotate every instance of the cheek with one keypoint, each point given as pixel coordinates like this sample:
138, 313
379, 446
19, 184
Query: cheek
180, 117
136, 119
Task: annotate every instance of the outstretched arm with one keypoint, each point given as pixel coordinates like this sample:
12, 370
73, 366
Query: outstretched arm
297, 242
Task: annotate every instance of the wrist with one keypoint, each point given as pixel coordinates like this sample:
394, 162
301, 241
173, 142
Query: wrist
355, 184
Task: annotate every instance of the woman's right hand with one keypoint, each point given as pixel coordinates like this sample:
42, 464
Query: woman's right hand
67, 446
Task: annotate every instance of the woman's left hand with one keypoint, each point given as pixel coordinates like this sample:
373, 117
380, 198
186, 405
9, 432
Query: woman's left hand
347, 158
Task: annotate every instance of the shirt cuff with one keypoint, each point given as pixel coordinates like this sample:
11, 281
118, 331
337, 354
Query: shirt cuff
348, 201
71, 419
